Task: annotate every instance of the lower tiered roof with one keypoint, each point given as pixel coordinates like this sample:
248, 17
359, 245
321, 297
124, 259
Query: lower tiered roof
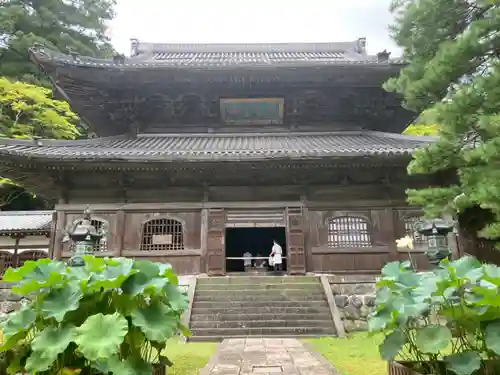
25, 222
215, 147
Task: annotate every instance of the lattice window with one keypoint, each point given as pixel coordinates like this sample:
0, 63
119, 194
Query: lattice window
418, 239
162, 234
349, 232
103, 243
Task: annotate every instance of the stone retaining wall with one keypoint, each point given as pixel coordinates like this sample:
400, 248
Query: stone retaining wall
355, 298
8, 300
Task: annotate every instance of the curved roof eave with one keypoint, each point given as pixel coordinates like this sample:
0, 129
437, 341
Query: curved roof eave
45, 56
166, 148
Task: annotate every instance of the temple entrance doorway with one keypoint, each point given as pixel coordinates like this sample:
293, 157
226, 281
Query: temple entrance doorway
257, 241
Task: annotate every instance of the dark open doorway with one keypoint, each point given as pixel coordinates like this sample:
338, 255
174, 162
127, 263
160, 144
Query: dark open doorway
257, 241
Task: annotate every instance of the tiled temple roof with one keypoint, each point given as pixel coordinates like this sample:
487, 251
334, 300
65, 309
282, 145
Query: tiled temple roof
199, 55
25, 221
215, 147
245, 58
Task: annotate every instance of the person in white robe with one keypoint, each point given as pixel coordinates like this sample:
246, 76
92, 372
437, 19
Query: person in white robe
277, 256
270, 261
247, 259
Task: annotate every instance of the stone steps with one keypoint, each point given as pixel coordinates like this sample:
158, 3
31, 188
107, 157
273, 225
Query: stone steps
262, 306
260, 287
225, 305
275, 309
225, 317
253, 293
283, 296
274, 336
259, 323
264, 331
261, 280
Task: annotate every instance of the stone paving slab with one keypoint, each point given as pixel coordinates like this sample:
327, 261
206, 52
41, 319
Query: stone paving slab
263, 356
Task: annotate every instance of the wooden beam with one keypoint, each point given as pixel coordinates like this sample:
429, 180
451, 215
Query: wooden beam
53, 232
59, 233
156, 207
392, 235
119, 233
16, 252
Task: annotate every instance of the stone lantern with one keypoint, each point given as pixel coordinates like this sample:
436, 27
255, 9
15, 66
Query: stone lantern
436, 231
84, 237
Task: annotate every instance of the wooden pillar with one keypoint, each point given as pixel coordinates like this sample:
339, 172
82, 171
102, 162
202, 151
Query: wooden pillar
307, 231
216, 260
392, 226
17, 239
203, 240
296, 257
52, 238
58, 237
119, 233
59, 232
204, 227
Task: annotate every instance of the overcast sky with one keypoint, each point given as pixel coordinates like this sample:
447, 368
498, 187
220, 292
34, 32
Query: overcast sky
230, 21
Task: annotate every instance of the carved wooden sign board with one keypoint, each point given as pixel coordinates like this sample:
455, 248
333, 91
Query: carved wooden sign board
254, 111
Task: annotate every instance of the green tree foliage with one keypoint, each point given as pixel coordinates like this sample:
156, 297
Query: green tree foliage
62, 25
28, 111
453, 48
422, 129
425, 125
13, 197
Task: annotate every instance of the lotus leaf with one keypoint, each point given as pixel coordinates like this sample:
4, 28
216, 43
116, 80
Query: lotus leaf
463, 363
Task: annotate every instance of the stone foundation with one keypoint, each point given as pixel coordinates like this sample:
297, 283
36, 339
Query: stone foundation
8, 300
355, 298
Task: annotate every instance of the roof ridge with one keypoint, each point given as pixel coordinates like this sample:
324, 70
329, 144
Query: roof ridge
250, 135
139, 47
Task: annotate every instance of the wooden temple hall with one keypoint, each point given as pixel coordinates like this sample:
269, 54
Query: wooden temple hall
202, 152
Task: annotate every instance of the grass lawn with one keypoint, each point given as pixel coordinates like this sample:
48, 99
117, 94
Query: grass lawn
356, 355
188, 358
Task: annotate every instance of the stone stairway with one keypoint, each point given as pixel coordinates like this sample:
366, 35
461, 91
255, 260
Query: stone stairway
259, 306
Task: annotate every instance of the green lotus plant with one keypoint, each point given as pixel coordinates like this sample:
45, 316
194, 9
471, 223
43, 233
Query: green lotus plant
109, 316
442, 322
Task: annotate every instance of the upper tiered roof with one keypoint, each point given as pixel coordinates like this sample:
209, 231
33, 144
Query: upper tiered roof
159, 83
220, 55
